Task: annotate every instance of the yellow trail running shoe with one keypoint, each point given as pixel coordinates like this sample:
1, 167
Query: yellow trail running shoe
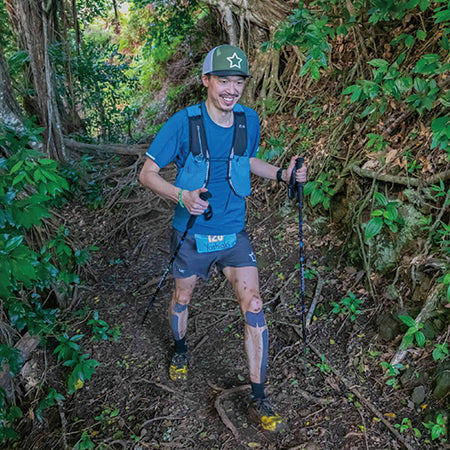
261, 411
178, 367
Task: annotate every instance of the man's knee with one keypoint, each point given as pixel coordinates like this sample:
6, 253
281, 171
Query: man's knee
256, 304
254, 316
183, 290
181, 298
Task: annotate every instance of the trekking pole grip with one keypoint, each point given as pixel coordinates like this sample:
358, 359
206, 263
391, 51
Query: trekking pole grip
208, 213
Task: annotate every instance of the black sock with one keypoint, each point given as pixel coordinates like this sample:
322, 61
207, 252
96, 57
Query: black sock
180, 346
258, 390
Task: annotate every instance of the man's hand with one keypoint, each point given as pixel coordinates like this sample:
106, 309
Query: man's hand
300, 175
193, 203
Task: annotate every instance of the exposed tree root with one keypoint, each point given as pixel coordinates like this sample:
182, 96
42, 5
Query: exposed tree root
222, 414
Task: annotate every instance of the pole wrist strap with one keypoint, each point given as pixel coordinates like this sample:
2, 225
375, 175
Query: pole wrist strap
279, 174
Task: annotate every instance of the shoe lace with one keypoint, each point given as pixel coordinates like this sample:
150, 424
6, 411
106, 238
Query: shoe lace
265, 406
179, 359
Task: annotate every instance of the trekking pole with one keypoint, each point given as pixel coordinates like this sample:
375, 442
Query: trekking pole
295, 191
208, 214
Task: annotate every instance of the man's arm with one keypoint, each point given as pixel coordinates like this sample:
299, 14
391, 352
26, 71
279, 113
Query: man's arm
266, 170
151, 178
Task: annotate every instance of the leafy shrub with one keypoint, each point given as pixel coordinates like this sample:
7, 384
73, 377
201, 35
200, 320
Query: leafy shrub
320, 191
30, 186
387, 214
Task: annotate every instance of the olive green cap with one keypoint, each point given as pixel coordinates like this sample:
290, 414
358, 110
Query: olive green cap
226, 60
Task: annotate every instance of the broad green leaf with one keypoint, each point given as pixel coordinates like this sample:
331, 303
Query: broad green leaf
19, 178
315, 71
317, 196
17, 166
373, 228
356, 94
421, 35
380, 198
392, 209
409, 41
442, 16
436, 431
424, 4
420, 339
13, 243
14, 413
378, 63
309, 187
407, 320
350, 89
48, 162
407, 341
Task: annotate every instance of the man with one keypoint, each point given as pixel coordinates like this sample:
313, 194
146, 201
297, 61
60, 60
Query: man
214, 146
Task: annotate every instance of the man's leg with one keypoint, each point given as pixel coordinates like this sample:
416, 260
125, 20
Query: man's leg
245, 282
178, 315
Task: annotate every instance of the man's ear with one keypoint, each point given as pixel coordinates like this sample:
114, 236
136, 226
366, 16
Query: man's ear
205, 80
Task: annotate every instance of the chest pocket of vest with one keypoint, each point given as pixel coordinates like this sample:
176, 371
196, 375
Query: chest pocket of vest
193, 175
239, 175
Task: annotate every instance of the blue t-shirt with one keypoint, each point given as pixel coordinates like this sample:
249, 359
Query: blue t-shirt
172, 144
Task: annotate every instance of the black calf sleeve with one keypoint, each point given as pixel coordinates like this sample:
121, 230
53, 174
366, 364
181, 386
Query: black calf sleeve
180, 346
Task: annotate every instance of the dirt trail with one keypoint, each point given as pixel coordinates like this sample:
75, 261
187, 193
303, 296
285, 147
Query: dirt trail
131, 403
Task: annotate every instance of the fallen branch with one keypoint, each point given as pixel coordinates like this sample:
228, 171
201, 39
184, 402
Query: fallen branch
122, 149
319, 286
427, 310
221, 411
147, 422
160, 385
358, 394
406, 181
63, 424
151, 283
286, 283
366, 402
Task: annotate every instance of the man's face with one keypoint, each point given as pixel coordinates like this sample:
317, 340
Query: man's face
224, 91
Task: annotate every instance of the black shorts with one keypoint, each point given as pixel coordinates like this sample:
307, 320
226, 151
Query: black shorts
189, 262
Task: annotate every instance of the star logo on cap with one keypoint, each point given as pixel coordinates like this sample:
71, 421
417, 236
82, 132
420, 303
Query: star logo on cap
235, 61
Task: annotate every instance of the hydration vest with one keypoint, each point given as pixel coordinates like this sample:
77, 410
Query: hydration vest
195, 172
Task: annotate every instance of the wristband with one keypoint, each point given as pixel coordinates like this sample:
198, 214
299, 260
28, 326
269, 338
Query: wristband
180, 201
279, 173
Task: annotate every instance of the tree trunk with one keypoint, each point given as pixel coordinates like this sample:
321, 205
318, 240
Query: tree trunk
249, 23
10, 114
31, 24
76, 25
264, 14
116, 18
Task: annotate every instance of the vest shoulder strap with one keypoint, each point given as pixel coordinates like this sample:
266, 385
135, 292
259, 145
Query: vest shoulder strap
240, 133
197, 135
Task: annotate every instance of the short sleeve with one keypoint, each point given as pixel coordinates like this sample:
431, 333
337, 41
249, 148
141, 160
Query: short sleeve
171, 143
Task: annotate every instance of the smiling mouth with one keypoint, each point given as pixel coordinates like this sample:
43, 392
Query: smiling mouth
228, 98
